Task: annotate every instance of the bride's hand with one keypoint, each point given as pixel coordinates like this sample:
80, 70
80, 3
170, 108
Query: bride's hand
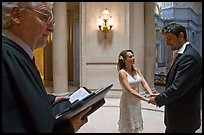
154, 94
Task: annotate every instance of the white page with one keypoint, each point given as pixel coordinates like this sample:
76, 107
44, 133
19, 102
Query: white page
79, 94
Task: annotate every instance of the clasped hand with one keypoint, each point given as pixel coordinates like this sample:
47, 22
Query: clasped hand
151, 98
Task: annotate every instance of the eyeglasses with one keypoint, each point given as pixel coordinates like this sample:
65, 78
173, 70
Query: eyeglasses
49, 19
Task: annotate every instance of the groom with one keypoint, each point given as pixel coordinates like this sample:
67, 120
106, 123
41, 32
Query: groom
182, 93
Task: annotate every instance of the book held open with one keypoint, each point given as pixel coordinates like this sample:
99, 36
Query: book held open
80, 100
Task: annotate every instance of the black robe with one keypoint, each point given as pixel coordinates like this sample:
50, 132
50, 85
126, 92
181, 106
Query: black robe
26, 107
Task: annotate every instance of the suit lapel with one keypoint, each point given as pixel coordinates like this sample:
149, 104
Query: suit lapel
175, 64
172, 67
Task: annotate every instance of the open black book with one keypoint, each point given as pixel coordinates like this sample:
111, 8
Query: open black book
80, 100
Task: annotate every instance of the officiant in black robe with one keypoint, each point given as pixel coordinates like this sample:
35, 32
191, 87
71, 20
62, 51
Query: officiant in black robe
26, 106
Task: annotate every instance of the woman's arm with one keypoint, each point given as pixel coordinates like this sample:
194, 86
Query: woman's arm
123, 80
146, 85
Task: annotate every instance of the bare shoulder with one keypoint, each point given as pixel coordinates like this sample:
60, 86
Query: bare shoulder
122, 70
122, 73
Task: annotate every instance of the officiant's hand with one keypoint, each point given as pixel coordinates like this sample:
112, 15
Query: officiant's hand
77, 120
59, 99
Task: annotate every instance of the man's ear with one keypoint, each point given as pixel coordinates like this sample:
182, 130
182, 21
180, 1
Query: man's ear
181, 35
15, 15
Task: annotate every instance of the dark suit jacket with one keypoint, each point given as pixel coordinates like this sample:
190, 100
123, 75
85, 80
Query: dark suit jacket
182, 93
26, 107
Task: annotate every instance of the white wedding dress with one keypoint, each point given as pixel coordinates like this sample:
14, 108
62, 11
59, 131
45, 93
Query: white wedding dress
130, 118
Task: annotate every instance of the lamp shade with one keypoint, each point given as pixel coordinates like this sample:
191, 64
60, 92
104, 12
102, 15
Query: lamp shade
105, 14
110, 21
100, 21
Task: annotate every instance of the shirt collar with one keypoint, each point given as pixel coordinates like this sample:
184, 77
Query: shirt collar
19, 42
181, 49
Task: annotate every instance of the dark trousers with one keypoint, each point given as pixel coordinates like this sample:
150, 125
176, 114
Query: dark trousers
179, 131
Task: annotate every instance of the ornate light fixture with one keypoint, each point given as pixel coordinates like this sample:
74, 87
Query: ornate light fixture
105, 24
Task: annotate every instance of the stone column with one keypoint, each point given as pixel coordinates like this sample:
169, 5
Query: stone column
149, 43
60, 64
137, 33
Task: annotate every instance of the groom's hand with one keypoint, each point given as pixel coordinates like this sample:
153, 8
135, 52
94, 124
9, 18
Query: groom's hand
152, 101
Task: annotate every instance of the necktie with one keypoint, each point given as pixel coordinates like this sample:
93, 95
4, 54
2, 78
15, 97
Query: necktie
174, 57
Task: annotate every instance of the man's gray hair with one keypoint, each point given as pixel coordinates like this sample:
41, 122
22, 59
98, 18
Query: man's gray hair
7, 6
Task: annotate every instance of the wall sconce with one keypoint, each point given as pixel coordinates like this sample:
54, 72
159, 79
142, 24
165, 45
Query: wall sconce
105, 24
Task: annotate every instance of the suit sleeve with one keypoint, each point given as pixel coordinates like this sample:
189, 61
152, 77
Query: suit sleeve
51, 98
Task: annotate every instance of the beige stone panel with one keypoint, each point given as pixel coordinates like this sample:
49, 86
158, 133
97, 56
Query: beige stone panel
98, 55
101, 75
